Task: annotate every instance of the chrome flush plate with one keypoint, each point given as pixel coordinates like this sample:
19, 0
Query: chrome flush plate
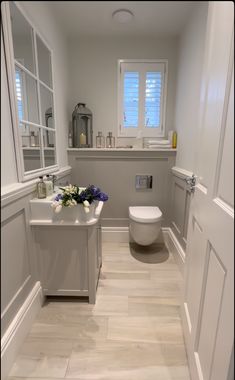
143, 182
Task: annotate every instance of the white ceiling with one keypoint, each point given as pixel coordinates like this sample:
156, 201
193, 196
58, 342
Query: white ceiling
151, 18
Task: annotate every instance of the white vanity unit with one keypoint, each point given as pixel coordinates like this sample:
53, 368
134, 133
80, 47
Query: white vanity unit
68, 248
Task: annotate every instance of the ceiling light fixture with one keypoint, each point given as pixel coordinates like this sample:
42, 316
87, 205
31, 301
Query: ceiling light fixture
122, 16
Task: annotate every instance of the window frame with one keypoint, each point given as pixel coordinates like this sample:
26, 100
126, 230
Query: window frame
11, 63
141, 130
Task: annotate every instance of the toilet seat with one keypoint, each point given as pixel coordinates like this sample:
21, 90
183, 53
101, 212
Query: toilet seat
145, 214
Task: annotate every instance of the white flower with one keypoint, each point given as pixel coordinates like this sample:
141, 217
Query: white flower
86, 209
54, 204
58, 209
71, 203
86, 204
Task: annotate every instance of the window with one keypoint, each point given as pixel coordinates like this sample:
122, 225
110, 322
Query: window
142, 98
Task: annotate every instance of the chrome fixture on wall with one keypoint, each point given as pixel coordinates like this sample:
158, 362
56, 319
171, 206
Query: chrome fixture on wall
82, 127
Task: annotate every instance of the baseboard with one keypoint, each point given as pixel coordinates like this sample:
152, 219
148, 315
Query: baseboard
174, 247
19, 328
115, 234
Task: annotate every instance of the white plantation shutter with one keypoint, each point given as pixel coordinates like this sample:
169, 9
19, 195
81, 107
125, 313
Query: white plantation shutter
19, 95
131, 99
153, 94
142, 87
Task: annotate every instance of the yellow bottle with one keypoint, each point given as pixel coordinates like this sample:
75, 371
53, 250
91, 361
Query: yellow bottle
174, 140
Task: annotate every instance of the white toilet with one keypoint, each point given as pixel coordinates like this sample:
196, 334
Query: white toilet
145, 224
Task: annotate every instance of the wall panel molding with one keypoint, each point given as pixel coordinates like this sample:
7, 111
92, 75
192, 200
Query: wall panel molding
180, 204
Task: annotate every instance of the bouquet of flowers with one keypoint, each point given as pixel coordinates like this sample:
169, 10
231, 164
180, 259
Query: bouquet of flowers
72, 195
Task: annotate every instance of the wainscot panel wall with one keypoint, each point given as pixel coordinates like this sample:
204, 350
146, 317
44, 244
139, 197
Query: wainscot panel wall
180, 203
20, 284
115, 171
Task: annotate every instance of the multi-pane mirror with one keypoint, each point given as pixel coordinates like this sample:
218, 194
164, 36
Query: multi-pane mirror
34, 94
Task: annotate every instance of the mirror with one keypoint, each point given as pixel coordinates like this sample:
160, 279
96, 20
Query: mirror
46, 97
49, 157
22, 35
26, 93
34, 93
44, 62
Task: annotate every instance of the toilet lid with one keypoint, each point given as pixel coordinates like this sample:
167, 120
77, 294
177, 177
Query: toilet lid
145, 214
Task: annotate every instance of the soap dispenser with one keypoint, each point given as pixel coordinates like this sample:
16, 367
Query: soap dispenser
41, 188
49, 185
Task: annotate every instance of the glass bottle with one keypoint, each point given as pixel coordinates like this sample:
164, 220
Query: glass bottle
32, 139
100, 141
110, 140
41, 189
70, 140
49, 185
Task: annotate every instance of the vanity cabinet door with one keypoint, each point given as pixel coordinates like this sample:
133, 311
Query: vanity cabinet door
63, 260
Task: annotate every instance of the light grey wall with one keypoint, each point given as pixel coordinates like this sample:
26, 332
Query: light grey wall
114, 173
93, 68
191, 52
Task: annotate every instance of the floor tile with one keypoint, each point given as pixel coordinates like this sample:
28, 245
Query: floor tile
42, 357
108, 358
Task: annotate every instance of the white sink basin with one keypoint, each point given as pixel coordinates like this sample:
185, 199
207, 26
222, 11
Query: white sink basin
43, 213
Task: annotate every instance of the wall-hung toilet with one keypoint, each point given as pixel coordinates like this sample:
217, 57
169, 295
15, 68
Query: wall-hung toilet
145, 224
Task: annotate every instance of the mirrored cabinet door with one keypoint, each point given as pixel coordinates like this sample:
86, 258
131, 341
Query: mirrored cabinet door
34, 94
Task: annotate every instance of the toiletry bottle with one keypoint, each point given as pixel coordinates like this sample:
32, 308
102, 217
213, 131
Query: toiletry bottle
32, 139
41, 188
170, 137
139, 140
70, 142
49, 185
100, 141
174, 140
110, 140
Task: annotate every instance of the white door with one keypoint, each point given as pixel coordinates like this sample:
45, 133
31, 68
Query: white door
207, 308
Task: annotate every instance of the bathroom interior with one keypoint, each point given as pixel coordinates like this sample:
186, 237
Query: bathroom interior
127, 273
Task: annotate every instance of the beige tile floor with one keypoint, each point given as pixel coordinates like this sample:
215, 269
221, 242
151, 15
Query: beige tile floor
133, 332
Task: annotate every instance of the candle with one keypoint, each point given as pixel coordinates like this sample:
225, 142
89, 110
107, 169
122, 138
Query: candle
82, 139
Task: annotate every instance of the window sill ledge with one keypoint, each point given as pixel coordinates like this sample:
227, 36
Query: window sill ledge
120, 150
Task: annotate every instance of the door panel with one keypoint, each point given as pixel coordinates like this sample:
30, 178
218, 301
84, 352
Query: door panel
212, 295
207, 310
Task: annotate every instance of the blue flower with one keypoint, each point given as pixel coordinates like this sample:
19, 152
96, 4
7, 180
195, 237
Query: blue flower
58, 197
102, 197
93, 190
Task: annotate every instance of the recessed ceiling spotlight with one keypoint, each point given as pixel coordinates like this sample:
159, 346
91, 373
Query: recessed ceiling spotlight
122, 16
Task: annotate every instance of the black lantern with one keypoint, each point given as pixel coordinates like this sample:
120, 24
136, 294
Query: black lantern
82, 127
